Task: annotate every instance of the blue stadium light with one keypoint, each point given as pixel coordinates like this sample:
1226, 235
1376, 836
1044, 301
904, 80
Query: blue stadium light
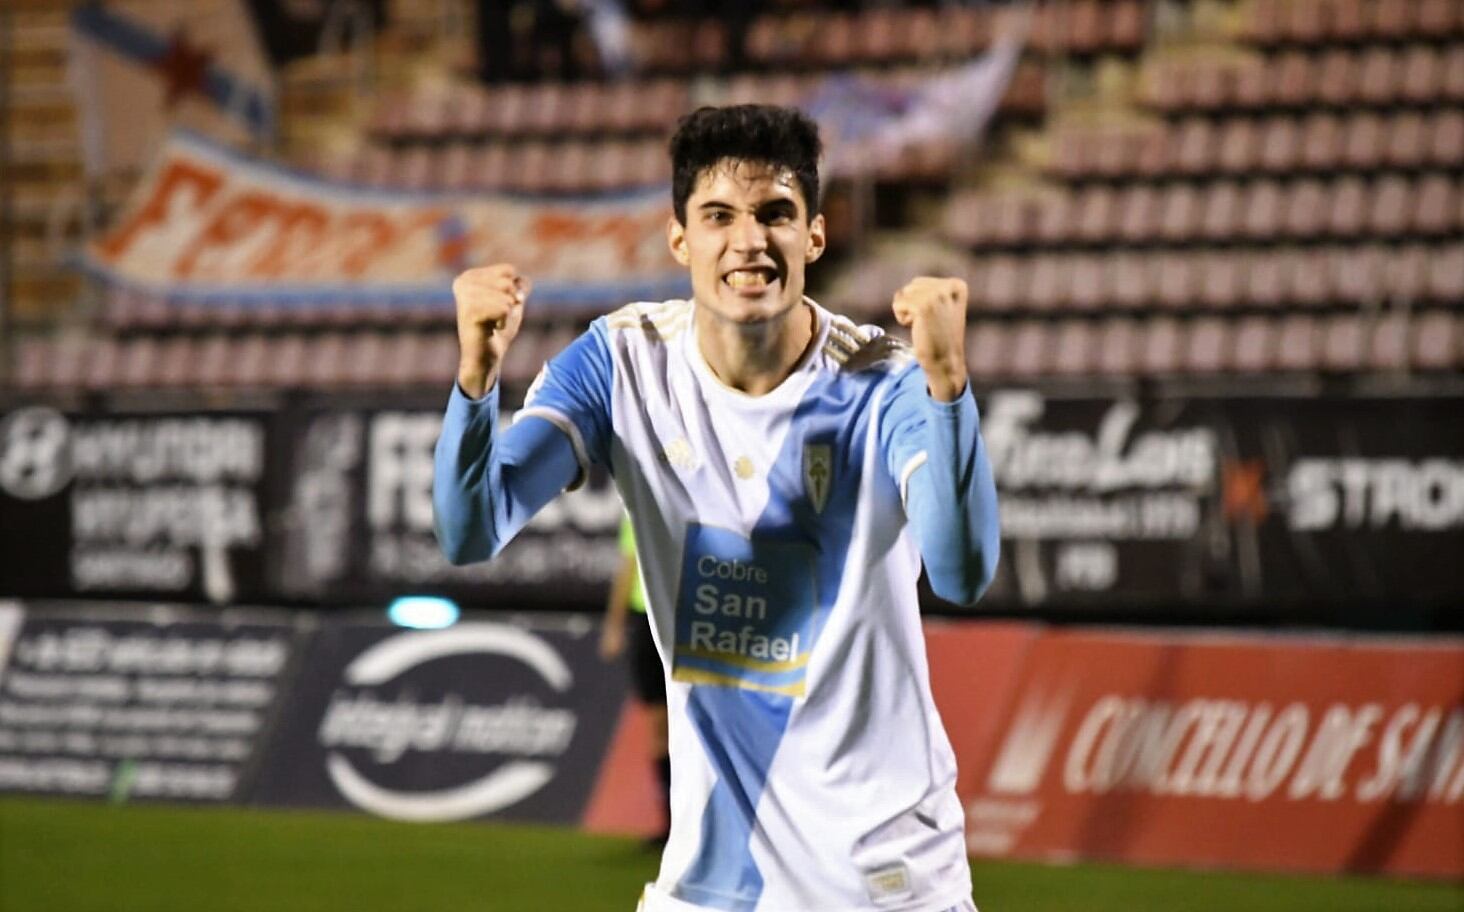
423, 612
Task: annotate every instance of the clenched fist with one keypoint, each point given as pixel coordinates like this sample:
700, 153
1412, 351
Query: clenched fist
935, 311
490, 309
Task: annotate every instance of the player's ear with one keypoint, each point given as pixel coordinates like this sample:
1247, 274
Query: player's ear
818, 239
676, 240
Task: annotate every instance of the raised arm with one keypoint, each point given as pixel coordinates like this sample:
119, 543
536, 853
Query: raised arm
931, 435
487, 484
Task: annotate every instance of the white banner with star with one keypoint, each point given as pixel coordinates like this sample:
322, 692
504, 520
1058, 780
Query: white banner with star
140, 68
208, 223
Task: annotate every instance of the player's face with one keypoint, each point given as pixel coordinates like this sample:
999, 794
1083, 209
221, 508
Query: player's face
746, 240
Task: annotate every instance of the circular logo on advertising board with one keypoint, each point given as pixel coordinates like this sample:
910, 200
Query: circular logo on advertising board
35, 453
529, 734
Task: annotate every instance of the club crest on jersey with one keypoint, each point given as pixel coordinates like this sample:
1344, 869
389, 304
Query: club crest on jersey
818, 473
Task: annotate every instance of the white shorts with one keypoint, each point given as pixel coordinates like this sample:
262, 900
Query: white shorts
663, 903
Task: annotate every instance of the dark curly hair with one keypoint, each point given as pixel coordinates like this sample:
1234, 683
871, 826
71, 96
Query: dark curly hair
781, 137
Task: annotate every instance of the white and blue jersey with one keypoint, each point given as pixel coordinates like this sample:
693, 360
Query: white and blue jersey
780, 540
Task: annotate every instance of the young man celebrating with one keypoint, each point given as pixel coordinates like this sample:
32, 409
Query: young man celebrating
786, 473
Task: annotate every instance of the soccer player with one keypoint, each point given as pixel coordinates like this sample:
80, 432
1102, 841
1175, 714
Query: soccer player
626, 598
786, 473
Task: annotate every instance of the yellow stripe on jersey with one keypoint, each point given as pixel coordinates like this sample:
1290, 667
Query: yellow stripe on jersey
793, 664
697, 676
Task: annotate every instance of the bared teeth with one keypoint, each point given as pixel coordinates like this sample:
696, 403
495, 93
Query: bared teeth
746, 278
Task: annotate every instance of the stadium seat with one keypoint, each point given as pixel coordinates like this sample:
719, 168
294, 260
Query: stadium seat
1117, 344
1087, 283
1296, 344
1207, 346
248, 363
1264, 208
1005, 278
1305, 214
1435, 343
1322, 141
1435, 206
1161, 347
1388, 344
1074, 348
1222, 212
1309, 279
1446, 274
1446, 139
1343, 343
99, 374
1405, 274
1336, 78
1139, 214
1406, 141
1363, 142
1031, 349
1220, 280
212, 357
1049, 282
1349, 207
987, 345
1357, 274
1128, 280
1175, 280
1278, 147
1194, 146
287, 361
32, 358
1253, 346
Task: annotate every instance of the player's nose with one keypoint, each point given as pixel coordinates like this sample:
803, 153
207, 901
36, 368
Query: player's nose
749, 236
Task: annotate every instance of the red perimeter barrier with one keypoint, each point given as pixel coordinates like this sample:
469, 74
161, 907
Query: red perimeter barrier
1264, 752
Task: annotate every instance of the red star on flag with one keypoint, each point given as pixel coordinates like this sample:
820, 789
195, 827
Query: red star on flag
184, 66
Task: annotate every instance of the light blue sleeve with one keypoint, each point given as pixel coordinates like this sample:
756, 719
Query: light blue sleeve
487, 484
934, 452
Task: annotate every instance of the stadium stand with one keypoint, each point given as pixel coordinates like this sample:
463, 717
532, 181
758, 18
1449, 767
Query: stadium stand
1274, 186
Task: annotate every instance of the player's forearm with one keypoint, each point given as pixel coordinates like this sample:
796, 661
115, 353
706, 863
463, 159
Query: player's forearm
485, 485
951, 500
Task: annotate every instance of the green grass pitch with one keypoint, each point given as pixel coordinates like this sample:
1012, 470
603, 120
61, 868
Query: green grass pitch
58, 856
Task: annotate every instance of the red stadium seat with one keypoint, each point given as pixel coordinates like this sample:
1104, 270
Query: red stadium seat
1296, 344
99, 374
1253, 347
1439, 19
1031, 350
137, 363
1376, 81
1161, 346
1406, 144
1175, 279
1388, 345
1179, 212
1305, 21
325, 360
1305, 214
1322, 141
248, 364
1128, 280
1087, 283
1055, 218
1343, 343
1357, 274
1446, 274
1310, 278
1279, 147
1221, 279
1435, 342
1435, 206
1263, 209
1363, 142
1050, 282
32, 358
1392, 19
437, 361
1391, 208
212, 358
1222, 212
1419, 75
1250, 85
1194, 146
1096, 215
987, 344
1453, 77
1265, 279
1337, 78
1074, 348
1005, 276
1139, 214
1293, 87
1350, 200
1446, 142
1118, 346
1405, 274
1349, 24
1236, 146
1207, 346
